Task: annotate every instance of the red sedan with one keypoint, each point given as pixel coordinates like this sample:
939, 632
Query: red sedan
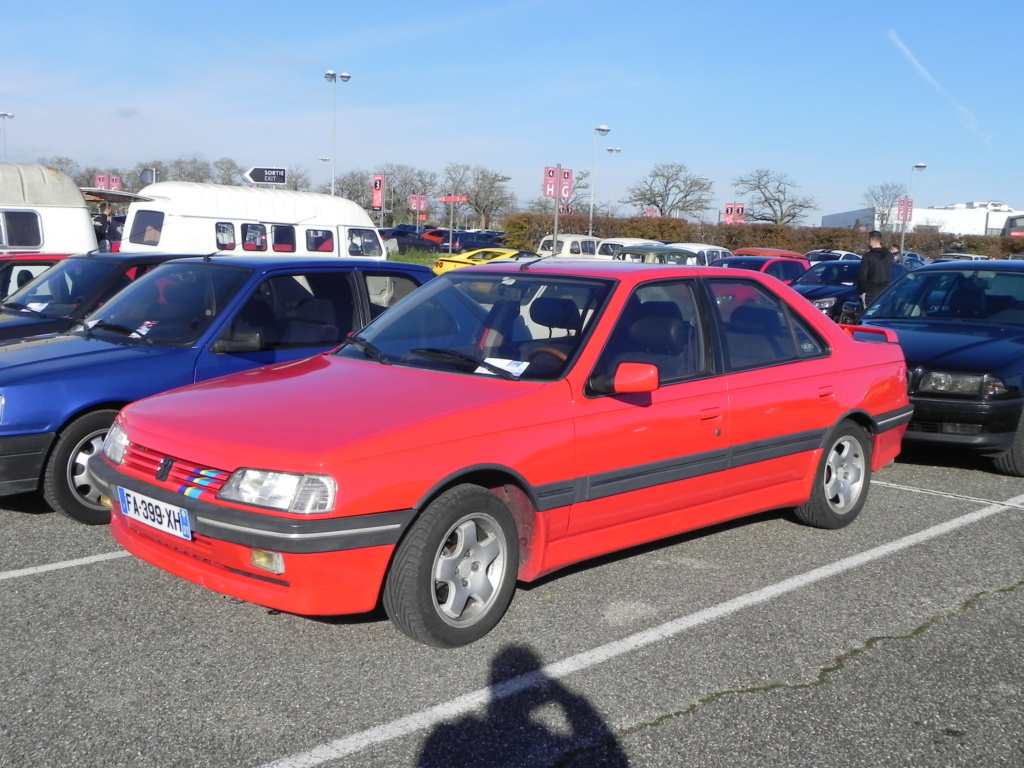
498, 424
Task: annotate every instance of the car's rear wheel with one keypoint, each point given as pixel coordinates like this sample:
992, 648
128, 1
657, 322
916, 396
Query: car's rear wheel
454, 574
1011, 462
842, 479
69, 485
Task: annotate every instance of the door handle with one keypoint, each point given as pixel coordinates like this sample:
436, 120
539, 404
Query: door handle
710, 413
827, 391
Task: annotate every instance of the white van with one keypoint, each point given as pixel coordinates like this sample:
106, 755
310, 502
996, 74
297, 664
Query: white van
42, 211
709, 253
584, 246
194, 218
606, 248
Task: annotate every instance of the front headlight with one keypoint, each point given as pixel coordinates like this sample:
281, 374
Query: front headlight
302, 494
824, 304
969, 384
115, 444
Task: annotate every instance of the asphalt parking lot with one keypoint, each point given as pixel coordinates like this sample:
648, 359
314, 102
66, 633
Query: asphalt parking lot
898, 641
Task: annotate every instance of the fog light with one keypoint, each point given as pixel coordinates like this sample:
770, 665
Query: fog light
268, 561
950, 428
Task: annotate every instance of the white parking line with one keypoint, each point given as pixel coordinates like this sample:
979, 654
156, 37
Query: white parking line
63, 564
466, 704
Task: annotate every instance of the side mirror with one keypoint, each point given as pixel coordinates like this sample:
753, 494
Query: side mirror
629, 378
850, 313
246, 341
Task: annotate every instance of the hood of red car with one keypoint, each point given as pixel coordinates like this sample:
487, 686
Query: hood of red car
304, 415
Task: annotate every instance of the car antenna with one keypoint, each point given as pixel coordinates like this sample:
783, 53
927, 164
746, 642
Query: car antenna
209, 256
529, 264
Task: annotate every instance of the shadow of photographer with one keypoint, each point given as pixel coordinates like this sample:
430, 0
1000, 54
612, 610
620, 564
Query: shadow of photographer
532, 720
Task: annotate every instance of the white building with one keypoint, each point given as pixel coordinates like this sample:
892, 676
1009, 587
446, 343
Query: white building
978, 218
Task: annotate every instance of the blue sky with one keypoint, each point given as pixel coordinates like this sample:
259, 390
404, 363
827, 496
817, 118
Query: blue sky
838, 96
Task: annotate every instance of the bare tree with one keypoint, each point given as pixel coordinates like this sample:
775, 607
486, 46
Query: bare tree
227, 171
771, 197
65, 165
402, 181
356, 186
672, 189
189, 169
488, 195
883, 198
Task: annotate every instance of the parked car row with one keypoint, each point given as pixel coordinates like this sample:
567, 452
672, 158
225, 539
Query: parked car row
525, 371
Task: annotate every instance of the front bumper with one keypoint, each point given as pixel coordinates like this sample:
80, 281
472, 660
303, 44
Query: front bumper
22, 458
984, 427
331, 566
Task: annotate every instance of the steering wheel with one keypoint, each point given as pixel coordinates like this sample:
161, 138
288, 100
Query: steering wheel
553, 351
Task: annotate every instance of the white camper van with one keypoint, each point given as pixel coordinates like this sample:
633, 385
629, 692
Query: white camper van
584, 246
42, 211
189, 217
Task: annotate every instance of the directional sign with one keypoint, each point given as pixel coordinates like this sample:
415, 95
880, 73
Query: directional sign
905, 211
453, 199
267, 175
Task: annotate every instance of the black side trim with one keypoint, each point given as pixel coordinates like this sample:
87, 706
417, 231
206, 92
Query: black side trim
266, 531
885, 422
21, 461
673, 470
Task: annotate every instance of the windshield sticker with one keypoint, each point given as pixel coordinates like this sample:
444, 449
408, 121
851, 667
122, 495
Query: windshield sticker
515, 367
145, 328
508, 281
38, 306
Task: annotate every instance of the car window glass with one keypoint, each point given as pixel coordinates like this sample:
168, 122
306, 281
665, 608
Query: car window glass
254, 237
757, 330
225, 236
386, 289
660, 326
363, 242
172, 304
58, 291
529, 325
320, 240
146, 227
20, 229
296, 310
283, 238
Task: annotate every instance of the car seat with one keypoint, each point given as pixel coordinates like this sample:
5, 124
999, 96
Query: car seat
314, 323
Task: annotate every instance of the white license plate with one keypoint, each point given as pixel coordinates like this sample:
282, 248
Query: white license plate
164, 517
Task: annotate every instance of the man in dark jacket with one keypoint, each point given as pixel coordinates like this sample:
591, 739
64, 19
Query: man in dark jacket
875, 269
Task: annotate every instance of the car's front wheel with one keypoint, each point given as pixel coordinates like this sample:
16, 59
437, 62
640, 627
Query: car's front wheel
69, 485
454, 574
842, 479
1011, 461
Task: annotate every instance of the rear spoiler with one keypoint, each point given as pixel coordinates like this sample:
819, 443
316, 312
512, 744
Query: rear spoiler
857, 332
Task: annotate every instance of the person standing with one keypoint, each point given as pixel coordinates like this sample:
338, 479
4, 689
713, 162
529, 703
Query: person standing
875, 269
897, 257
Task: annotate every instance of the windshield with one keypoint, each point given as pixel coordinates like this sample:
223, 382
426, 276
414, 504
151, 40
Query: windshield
60, 290
514, 325
172, 305
830, 273
961, 295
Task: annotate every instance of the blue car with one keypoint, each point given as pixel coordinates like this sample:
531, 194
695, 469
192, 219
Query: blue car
187, 320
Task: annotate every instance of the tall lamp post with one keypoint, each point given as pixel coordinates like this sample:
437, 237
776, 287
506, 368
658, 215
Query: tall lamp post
5, 116
332, 77
910, 186
612, 151
601, 130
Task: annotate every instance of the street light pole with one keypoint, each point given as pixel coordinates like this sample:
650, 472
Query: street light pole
332, 77
601, 130
613, 151
5, 116
910, 213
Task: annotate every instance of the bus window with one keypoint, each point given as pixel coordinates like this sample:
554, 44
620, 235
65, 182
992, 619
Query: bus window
225, 236
254, 237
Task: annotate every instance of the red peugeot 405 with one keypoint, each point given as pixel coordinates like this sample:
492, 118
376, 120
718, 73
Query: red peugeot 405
497, 424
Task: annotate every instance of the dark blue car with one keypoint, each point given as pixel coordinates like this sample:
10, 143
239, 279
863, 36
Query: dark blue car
187, 320
961, 327
828, 285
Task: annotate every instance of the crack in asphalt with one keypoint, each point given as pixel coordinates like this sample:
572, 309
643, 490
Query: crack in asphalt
824, 676
826, 673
